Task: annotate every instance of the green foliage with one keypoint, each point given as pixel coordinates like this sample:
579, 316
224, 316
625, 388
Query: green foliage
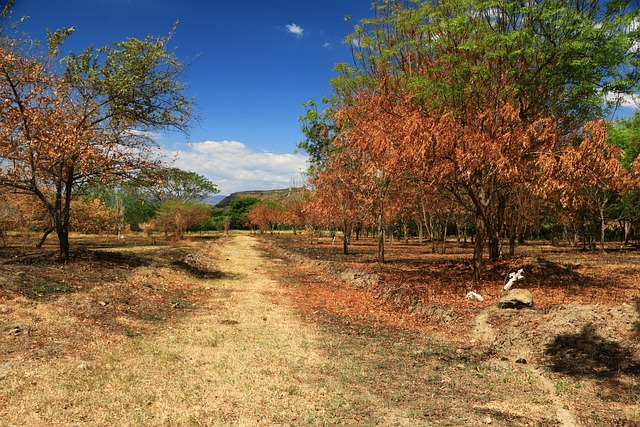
131, 84
625, 133
177, 184
143, 195
6, 10
239, 212
320, 130
552, 57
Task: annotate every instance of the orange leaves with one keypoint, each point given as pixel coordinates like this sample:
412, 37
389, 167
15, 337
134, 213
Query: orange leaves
262, 215
588, 164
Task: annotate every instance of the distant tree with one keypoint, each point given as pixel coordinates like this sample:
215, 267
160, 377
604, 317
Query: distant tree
266, 215
83, 118
176, 184
239, 212
93, 216
176, 216
140, 196
293, 206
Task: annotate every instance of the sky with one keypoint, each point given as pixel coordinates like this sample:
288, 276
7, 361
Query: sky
252, 66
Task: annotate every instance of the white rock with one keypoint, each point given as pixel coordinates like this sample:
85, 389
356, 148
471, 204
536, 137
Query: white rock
472, 296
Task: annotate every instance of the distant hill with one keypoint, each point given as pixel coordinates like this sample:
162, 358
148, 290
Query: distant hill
258, 194
213, 200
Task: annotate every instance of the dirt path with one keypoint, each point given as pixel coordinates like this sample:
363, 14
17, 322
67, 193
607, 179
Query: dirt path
243, 359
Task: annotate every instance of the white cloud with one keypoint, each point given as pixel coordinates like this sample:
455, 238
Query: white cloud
327, 45
295, 29
623, 100
233, 166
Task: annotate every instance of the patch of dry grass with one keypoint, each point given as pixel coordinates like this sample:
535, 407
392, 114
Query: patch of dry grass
212, 332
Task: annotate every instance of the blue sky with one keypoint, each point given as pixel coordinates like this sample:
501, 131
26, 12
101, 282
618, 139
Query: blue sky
253, 64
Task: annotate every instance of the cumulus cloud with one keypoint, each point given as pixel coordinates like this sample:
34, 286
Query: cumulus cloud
233, 166
295, 29
623, 100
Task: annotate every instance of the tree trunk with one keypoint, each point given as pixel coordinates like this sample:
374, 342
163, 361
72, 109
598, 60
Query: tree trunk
432, 235
494, 246
346, 237
62, 230
602, 227
479, 248
512, 245
381, 235
381, 245
44, 237
627, 231
444, 238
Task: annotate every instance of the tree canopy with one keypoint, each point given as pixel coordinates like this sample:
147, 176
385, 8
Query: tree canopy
68, 121
491, 102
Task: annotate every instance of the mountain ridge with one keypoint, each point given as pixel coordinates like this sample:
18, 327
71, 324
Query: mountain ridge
277, 194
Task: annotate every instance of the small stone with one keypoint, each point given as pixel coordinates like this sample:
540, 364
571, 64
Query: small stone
83, 367
488, 420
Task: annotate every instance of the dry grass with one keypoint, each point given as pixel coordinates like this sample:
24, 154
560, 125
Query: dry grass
210, 332
580, 343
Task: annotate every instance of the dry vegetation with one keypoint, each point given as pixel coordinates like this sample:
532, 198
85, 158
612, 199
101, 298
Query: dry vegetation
210, 332
580, 341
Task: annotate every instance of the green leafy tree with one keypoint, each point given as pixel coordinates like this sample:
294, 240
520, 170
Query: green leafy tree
239, 212
625, 133
320, 130
177, 184
142, 195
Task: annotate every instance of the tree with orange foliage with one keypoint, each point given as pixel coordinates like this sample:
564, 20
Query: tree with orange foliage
338, 197
293, 209
176, 216
92, 216
86, 121
475, 99
590, 173
265, 216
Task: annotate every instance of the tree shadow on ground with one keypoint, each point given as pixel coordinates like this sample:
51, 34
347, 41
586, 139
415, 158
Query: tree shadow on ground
636, 326
588, 355
199, 272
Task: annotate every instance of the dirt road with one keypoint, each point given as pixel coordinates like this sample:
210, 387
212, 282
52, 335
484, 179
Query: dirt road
242, 359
